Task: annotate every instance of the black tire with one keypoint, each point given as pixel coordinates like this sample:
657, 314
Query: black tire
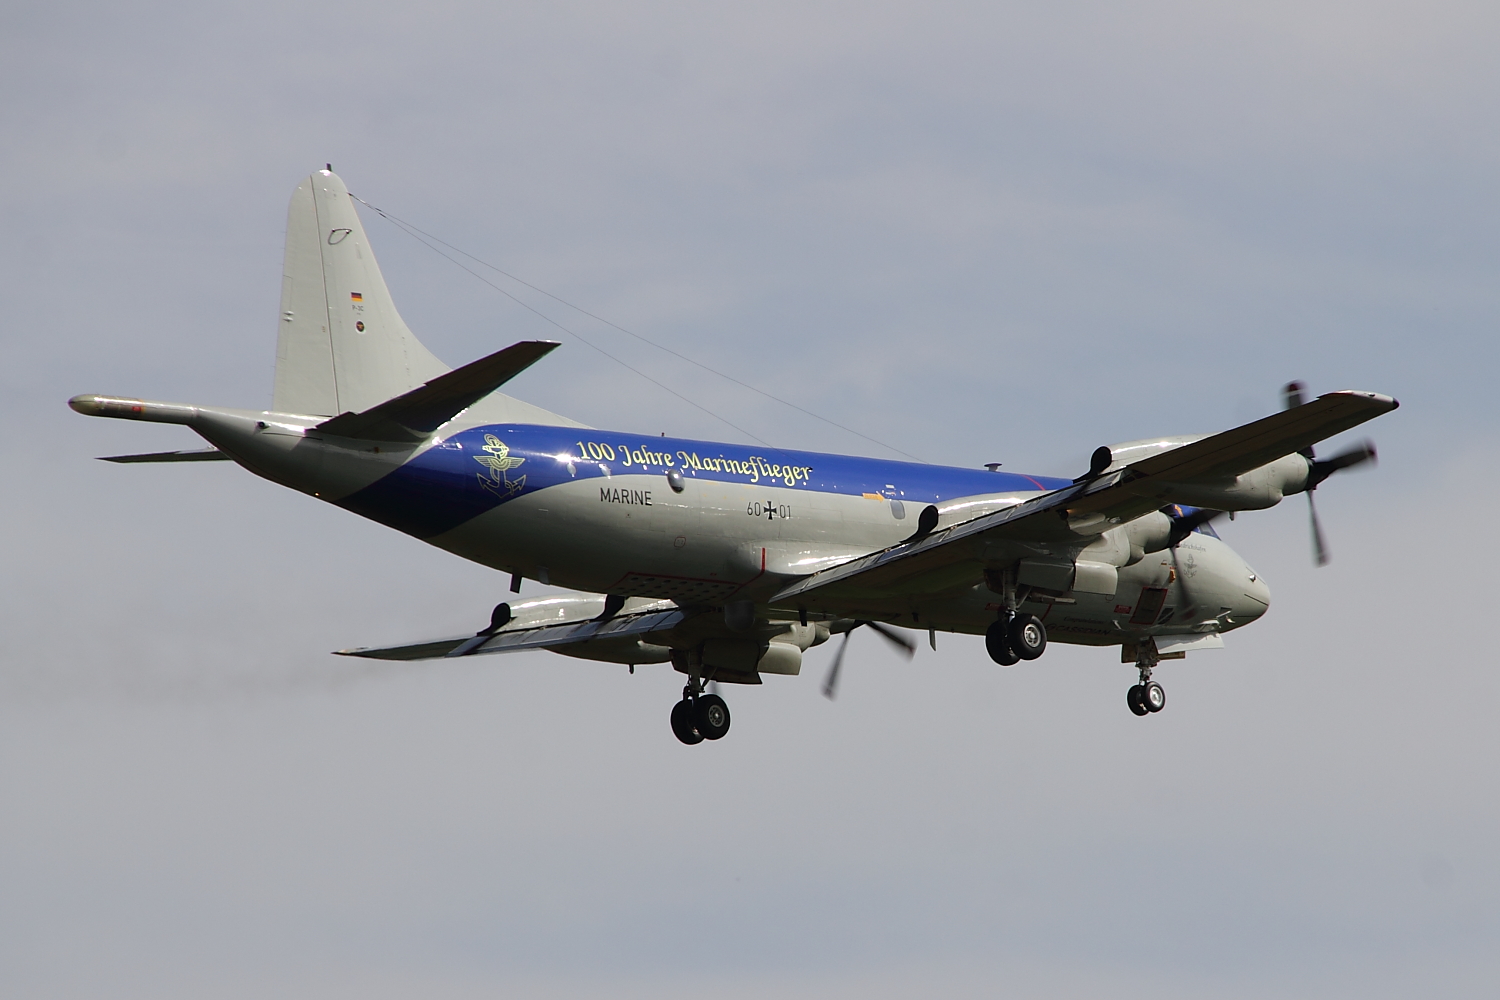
1136, 699
997, 644
684, 726
1028, 636
1154, 697
711, 716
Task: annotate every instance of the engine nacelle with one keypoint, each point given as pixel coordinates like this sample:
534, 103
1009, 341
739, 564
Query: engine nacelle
1150, 533
1095, 570
741, 661
1254, 490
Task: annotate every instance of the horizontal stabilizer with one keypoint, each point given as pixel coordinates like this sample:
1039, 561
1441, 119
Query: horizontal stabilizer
515, 640
199, 455
413, 416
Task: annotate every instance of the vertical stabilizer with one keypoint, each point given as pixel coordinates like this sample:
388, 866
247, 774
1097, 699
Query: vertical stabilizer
342, 346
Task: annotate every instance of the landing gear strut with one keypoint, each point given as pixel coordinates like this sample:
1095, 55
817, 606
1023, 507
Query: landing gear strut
698, 716
1147, 696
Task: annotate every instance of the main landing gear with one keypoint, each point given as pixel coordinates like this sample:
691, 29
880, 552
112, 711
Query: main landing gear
698, 716
1147, 696
1015, 637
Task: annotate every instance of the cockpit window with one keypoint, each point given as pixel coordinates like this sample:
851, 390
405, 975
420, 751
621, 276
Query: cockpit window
1207, 529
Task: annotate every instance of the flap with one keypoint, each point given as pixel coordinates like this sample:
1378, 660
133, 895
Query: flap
1183, 643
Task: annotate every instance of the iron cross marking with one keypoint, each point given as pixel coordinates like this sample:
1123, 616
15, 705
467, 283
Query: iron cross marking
771, 510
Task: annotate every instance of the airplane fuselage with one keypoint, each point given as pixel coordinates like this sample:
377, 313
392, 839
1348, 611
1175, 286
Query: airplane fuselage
705, 523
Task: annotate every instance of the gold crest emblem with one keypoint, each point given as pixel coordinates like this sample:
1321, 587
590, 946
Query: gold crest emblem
499, 463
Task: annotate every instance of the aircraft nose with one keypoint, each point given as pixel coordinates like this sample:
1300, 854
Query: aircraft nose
1255, 599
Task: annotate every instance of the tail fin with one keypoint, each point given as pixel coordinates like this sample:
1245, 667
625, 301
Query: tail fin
342, 346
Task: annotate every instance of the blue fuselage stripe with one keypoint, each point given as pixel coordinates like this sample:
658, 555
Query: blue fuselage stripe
478, 469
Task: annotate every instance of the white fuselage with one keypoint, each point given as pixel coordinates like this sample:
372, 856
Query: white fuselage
704, 524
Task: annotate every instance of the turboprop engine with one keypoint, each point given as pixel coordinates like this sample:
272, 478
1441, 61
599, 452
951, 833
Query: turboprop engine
1254, 490
773, 648
1300, 472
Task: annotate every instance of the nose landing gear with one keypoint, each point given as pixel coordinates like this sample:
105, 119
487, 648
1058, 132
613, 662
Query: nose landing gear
1147, 696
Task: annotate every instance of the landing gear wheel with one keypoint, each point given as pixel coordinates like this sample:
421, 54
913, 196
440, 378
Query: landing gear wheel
997, 644
1028, 636
1136, 699
1154, 698
712, 717
684, 726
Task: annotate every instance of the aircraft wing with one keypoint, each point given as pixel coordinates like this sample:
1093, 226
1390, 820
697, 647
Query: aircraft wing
1249, 446
1074, 513
515, 640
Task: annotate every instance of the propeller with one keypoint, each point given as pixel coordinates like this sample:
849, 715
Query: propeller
1185, 524
1182, 526
1291, 396
895, 638
1346, 459
1320, 469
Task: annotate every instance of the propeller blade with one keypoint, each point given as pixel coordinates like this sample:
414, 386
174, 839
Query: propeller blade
1291, 396
895, 638
831, 682
1185, 524
1182, 526
1347, 459
1320, 548
1187, 598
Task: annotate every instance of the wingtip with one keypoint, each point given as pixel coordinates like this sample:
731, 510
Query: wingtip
89, 404
1389, 402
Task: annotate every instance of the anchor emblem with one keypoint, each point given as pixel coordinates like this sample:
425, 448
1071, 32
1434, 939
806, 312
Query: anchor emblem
499, 463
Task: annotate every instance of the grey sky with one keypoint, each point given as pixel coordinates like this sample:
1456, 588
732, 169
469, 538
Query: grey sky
977, 232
